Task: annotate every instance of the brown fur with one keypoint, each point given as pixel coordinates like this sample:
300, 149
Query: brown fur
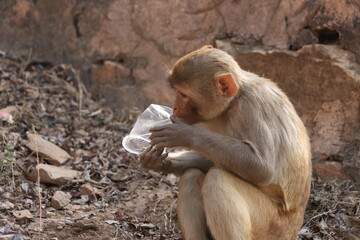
254, 141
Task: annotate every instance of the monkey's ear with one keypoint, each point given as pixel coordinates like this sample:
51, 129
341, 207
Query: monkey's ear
207, 47
226, 86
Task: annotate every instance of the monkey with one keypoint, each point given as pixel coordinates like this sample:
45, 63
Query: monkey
245, 158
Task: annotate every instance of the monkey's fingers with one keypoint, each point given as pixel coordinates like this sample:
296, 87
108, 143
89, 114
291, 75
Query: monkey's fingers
165, 155
160, 142
146, 150
154, 157
159, 134
145, 157
159, 128
158, 152
165, 163
161, 145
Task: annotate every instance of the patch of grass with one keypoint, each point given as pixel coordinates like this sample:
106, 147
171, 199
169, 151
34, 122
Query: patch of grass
7, 158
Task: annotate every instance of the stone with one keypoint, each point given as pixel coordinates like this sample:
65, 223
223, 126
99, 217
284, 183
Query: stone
23, 214
330, 170
6, 205
6, 117
53, 175
172, 179
13, 110
7, 195
87, 189
60, 199
52, 153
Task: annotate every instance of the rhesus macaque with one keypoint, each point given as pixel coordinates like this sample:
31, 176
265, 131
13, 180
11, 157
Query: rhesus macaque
246, 172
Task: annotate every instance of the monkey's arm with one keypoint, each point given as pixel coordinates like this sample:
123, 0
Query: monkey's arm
254, 162
242, 157
174, 162
188, 159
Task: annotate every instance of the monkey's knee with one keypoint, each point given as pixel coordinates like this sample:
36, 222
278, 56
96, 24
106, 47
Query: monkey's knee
192, 177
190, 186
215, 180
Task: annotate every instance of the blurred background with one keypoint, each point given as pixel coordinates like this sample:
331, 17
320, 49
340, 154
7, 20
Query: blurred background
121, 50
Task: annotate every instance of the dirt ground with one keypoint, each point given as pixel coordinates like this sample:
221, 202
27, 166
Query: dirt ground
131, 203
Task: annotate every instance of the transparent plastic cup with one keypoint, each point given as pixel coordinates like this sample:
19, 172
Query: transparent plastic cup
138, 138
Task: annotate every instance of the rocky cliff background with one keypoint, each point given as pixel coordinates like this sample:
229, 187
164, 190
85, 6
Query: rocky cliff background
122, 50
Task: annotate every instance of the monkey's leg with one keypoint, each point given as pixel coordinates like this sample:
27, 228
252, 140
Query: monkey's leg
227, 213
235, 209
189, 207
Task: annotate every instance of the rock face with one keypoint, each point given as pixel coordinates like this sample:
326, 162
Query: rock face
140, 40
124, 48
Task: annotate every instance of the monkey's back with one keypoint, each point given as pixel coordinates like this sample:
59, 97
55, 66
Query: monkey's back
292, 178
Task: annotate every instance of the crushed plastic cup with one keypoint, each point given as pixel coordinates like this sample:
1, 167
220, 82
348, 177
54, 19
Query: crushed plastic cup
138, 138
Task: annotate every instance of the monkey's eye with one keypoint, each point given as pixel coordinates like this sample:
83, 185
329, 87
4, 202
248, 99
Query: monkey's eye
181, 94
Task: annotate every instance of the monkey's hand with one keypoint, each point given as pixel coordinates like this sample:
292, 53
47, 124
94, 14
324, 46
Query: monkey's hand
155, 160
177, 134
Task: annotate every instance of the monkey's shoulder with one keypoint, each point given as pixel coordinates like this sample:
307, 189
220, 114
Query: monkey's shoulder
264, 91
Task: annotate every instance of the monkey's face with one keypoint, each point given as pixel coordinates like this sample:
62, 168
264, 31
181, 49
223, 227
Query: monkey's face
204, 86
185, 108
193, 105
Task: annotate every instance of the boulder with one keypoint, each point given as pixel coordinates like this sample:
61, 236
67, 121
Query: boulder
52, 174
52, 153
